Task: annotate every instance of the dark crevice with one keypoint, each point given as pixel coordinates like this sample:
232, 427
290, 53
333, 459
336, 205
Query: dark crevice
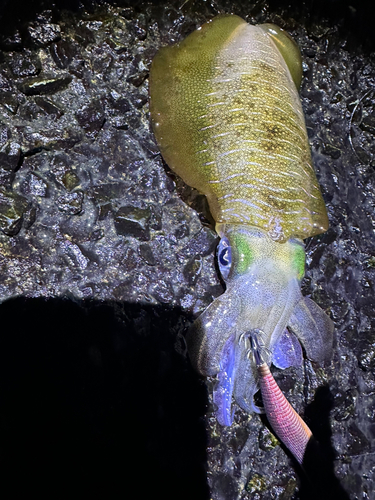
27, 154
318, 464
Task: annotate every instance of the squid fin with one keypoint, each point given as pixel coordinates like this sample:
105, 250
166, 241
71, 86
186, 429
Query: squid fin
314, 329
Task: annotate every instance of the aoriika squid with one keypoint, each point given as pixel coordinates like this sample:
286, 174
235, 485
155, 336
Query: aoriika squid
228, 120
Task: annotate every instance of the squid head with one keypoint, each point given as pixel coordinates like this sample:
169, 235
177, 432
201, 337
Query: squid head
262, 295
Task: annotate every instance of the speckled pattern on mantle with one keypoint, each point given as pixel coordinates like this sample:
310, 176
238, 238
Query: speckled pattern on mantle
106, 258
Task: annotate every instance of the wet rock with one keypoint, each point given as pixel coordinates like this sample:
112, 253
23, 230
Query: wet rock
139, 27
45, 85
256, 484
193, 269
182, 231
97, 235
10, 154
105, 210
332, 151
73, 255
103, 63
201, 304
345, 404
267, 441
286, 488
133, 221
29, 217
33, 185
109, 55
70, 203
52, 137
239, 439
186, 299
162, 290
84, 35
366, 357
146, 253
41, 35
138, 78
133, 122
5, 134
224, 486
156, 219
91, 118
120, 102
77, 68
12, 42
59, 168
120, 123
358, 442
106, 192
9, 101
70, 180
12, 208
62, 53
122, 291
203, 243
25, 64
118, 36
139, 69
6, 178
79, 229
29, 111
48, 107
5, 85
139, 100
128, 13
368, 124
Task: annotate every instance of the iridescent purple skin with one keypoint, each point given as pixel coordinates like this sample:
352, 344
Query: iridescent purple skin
285, 421
223, 393
287, 351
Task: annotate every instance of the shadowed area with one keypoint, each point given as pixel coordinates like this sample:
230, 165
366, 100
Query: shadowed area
96, 400
318, 463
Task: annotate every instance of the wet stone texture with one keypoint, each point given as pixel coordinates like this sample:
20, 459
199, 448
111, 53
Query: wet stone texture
89, 211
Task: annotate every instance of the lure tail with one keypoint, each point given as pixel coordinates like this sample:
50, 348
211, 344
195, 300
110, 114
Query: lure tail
285, 421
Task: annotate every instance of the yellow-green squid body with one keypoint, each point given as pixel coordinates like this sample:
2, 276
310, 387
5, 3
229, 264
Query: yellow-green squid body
228, 119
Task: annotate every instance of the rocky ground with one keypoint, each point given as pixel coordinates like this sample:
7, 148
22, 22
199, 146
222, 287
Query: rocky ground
106, 258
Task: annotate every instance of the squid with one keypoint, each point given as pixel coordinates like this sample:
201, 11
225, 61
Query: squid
228, 120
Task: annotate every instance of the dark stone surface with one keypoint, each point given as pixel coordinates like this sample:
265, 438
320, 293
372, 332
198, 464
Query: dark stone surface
44, 85
89, 212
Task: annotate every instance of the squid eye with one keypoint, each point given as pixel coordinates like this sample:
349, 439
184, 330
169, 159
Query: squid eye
224, 257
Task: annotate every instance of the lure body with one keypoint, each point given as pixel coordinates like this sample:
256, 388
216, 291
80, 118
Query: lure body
285, 421
227, 117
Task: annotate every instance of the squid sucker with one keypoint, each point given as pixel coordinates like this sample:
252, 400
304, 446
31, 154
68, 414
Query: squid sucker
227, 117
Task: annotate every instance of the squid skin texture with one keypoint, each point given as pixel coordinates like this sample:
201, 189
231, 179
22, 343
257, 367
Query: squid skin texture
287, 351
228, 120
223, 392
227, 117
